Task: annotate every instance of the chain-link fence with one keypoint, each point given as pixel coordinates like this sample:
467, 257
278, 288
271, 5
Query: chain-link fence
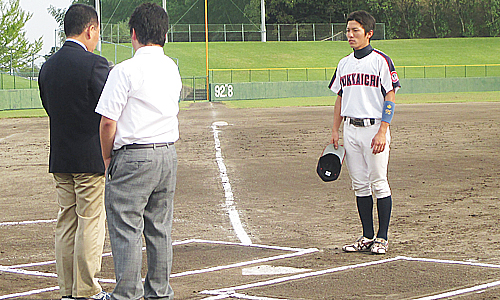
119, 33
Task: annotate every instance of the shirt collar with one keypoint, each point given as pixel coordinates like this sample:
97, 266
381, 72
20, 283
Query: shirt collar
359, 54
78, 42
149, 50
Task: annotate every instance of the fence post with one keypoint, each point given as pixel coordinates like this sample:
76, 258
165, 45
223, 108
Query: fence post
332, 31
242, 33
485, 71
32, 68
445, 71
279, 34
115, 53
189, 28
297, 30
314, 32
194, 88
118, 33
225, 37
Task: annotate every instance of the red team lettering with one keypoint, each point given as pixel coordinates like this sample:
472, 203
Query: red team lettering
360, 79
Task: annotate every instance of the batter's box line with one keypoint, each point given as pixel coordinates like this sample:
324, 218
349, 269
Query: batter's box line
231, 292
16, 269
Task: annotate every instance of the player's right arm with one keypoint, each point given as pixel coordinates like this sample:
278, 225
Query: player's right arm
337, 121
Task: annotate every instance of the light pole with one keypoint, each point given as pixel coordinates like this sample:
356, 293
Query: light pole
263, 21
98, 10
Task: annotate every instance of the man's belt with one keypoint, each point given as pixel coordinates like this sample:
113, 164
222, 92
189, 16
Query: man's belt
361, 122
145, 146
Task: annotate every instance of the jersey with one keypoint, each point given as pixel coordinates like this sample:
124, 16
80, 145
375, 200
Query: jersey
363, 83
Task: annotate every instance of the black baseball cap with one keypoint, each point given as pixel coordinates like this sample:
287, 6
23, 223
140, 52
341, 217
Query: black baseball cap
330, 163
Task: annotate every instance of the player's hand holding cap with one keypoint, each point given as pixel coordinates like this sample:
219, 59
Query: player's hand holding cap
330, 162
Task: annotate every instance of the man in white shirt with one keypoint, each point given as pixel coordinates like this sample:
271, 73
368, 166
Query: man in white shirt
139, 125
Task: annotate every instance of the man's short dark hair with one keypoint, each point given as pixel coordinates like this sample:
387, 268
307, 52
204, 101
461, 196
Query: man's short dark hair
150, 22
78, 17
364, 18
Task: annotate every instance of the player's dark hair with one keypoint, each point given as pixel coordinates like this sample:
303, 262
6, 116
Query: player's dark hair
78, 17
150, 22
364, 18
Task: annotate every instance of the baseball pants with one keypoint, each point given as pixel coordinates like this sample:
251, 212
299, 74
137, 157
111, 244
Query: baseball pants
368, 171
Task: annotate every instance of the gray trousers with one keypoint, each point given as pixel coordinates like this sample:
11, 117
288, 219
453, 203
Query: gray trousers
139, 198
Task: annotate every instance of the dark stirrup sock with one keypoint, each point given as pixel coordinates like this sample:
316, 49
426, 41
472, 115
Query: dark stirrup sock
384, 208
365, 210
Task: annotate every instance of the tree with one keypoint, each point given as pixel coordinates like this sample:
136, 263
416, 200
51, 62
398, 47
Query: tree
15, 49
436, 11
411, 17
464, 10
491, 10
58, 14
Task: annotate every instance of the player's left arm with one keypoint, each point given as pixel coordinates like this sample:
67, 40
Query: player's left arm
379, 141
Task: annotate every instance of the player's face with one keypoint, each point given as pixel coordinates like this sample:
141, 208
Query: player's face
356, 35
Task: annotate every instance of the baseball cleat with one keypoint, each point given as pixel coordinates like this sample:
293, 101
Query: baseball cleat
380, 246
361, 244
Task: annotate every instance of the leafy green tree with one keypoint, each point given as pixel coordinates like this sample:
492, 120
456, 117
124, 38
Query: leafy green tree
464, 10
491, 9
15, 49
58, 14
436, 12
411, 17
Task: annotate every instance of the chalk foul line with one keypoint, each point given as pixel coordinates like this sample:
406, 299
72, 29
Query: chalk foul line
229, 204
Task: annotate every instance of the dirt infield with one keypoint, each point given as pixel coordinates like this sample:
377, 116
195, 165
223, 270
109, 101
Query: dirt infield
444, 237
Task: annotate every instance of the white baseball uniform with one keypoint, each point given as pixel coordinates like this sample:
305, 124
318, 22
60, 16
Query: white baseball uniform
363, 84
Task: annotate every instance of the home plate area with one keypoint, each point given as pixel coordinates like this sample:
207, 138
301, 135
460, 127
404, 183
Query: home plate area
225, 270
222, 270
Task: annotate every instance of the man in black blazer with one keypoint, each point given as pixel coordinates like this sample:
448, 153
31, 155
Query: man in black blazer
71, 82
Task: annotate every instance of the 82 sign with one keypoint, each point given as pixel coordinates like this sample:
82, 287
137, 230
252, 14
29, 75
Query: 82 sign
223, 91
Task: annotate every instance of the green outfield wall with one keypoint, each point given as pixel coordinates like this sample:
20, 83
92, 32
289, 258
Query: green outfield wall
20, 99
290, 89
30, 98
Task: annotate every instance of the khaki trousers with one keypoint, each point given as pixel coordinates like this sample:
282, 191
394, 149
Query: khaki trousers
80, 232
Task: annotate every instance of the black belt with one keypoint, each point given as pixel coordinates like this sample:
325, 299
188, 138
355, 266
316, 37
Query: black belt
360, 122
145, 146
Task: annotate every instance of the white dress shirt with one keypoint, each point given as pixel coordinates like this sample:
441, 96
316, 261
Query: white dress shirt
142, 96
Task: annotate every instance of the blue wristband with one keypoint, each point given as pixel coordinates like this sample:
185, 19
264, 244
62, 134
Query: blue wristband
388, 111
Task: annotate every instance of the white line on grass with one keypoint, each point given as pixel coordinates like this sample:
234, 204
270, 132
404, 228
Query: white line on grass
230, 207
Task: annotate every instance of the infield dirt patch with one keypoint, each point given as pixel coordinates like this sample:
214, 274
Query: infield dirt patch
444, 173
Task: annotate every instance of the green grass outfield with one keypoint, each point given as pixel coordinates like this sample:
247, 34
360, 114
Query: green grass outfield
255, 55
314, 101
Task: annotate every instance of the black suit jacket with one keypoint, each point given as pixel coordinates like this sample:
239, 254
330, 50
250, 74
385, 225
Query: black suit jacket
71, 82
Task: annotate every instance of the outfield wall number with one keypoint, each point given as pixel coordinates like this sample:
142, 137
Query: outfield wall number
223, 90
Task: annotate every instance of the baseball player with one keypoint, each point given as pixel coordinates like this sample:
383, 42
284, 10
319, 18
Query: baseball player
366, 82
